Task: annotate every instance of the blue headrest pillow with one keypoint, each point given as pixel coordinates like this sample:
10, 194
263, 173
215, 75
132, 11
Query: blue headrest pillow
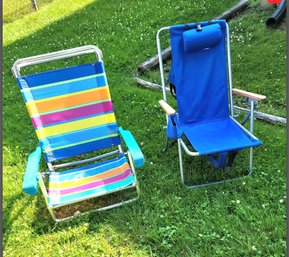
208, 37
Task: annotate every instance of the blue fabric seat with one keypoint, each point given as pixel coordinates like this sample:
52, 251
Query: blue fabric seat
216, 136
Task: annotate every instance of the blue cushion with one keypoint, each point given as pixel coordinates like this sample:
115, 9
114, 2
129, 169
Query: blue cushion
208, 37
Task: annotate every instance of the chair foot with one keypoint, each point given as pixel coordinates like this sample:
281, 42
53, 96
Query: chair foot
78, 214
217, 182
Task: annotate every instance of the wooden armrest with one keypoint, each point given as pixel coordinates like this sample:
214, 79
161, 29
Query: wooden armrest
167, 108
249, 94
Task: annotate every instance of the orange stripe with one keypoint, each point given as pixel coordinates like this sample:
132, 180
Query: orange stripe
97, 177
69, 101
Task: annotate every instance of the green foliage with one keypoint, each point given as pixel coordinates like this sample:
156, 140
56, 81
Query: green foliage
243, 218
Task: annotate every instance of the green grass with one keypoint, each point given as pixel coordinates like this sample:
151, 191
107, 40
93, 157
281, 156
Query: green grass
244, 218
16, 9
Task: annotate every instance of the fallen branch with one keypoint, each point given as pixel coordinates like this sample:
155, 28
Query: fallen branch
148, 84
264, 116
153, 62
229, 14
258, 115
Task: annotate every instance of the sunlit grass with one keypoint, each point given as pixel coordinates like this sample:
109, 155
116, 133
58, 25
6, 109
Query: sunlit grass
16, 9
244, 218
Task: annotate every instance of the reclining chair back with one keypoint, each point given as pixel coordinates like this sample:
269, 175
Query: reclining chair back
199, 71
71, 110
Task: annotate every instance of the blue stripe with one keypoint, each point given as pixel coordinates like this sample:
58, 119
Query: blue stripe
95, 165
80, 135
72, 72
87, 171
81, 149
68, 88
95, 191
27, 96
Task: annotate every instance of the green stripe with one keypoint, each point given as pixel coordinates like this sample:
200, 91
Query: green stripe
79, 143
64, 82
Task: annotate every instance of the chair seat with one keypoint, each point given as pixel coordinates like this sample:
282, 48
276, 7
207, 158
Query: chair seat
89, 181
218, 136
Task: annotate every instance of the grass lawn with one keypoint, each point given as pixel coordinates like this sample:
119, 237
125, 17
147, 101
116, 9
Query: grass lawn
16, 9
244, 218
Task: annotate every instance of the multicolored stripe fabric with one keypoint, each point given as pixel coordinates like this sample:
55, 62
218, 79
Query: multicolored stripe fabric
71, 110
91, 181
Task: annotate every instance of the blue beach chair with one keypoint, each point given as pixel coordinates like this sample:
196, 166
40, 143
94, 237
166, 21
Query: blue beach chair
72, 114
201, 76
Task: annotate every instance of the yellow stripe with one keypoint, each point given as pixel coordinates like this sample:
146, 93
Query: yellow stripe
75, 125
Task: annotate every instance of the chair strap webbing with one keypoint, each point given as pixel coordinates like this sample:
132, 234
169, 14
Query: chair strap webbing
225, 159
221, 162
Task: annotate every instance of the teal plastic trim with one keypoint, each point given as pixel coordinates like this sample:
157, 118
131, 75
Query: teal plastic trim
30, 180
133, 147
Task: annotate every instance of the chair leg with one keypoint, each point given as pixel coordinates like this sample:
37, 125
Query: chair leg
169, 143
252, 105
251, 161
51, 210
210, 183
181, 161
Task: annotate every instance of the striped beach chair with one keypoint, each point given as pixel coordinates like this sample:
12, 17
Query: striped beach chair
74, 120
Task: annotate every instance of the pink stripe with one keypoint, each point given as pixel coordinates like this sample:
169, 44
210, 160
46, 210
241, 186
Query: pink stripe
67, 115
93, 184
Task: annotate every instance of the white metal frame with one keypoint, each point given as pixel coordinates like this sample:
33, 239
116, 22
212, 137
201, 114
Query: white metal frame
181, 143
54, 56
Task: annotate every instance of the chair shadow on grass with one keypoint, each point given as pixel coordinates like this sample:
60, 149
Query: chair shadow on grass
42, 222
199, 170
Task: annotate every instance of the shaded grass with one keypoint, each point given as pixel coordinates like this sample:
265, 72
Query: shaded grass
245, 218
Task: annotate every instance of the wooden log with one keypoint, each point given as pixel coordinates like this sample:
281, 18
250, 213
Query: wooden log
229, 14
153, 62
264, 116
148, 84
259, 115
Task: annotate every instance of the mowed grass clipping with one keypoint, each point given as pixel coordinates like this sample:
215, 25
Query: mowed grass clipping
243, 218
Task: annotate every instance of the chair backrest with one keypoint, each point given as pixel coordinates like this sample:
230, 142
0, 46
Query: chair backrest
71, 110
199, 71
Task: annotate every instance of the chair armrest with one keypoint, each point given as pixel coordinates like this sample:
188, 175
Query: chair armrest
133, 147
167, 108
250, 95
30, 180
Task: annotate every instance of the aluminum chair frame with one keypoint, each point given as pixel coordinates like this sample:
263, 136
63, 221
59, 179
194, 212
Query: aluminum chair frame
59, 55
181, 143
